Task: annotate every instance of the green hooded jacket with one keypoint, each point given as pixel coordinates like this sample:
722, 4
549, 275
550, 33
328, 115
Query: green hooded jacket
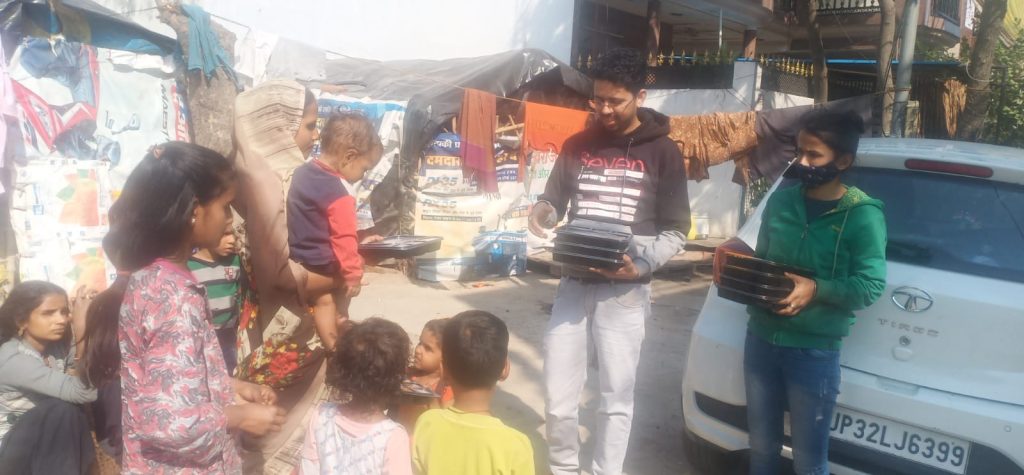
845, 248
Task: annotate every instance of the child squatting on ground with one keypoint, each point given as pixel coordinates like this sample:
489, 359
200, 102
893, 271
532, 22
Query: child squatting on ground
322, 228
354, 436
466, 437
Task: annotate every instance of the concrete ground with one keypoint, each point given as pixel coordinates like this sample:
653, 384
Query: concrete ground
525, 305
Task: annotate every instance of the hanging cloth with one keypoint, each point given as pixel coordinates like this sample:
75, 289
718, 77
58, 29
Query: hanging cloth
712, 139
547, 127
477, 130
204, 50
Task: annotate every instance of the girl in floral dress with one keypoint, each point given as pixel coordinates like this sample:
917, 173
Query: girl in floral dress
180, 409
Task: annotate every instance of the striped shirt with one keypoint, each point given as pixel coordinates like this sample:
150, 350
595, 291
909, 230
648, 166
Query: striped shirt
221, 279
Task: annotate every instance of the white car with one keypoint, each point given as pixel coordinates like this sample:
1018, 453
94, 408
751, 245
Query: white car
933, 373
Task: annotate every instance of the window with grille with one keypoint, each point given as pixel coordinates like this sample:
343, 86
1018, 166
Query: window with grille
948, 9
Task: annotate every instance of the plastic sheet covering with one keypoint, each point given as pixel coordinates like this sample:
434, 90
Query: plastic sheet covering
83, 21
434, 93
433, 88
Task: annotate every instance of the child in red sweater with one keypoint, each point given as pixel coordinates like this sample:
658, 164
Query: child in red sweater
322, 214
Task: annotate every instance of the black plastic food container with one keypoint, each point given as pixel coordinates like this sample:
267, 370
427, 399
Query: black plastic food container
591, 244
400, 247
752, 281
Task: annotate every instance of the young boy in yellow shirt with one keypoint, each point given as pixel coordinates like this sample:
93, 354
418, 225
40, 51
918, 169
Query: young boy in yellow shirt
466, 437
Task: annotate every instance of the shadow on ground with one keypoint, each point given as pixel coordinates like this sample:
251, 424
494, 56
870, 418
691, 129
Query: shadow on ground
525, 305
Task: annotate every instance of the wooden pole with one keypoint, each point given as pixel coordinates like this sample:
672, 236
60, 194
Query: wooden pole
750, 44
653, 31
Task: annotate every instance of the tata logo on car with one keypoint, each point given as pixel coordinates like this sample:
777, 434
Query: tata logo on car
910, 299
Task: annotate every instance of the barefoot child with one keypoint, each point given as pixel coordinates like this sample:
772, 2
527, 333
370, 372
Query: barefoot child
355, 437
219, 270
322, 214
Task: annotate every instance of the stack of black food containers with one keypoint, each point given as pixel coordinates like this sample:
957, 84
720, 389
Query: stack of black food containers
400, 247
752, 281
593, 244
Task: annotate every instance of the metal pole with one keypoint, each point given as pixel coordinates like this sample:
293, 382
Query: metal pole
720, 27
905, 68
999, 108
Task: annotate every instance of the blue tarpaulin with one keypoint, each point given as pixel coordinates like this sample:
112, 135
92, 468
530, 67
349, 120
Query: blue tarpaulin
82, 21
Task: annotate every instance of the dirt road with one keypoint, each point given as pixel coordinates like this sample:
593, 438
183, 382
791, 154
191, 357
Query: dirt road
525, 305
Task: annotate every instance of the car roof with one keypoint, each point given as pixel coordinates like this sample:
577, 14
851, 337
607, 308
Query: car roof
1006, 163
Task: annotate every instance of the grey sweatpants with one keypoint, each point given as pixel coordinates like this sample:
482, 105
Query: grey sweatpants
612, 317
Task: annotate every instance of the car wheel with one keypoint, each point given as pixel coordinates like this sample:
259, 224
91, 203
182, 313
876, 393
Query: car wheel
706, 458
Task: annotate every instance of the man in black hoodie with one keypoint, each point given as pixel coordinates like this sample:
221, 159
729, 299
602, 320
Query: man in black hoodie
623, 170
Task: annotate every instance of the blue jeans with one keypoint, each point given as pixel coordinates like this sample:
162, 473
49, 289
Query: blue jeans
805, 381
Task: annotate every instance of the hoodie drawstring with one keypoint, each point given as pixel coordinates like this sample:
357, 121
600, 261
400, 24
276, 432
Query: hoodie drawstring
835, 257
622, 187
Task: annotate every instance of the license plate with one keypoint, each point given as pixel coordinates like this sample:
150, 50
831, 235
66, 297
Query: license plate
904, 441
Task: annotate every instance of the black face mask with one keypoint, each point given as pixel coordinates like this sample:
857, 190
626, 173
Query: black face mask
813, 177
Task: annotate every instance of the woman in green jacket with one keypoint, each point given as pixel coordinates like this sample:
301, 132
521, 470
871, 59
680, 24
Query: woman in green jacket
792, 353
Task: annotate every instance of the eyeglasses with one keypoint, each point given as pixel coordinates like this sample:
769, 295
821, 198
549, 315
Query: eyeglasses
599, 103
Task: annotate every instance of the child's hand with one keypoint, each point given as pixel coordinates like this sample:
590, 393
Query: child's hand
267, 395
255, 419
352, 291
255, 393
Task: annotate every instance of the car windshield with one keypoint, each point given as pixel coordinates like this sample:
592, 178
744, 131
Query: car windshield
950, 223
